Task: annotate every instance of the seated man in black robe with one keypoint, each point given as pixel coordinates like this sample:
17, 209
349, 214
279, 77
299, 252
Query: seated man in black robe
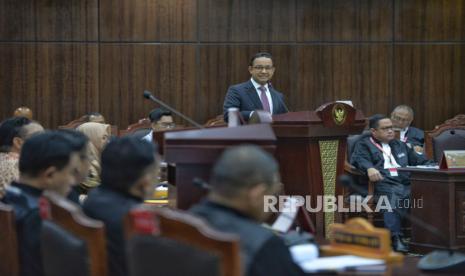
129, 173
240, 180
47, 161
379, 155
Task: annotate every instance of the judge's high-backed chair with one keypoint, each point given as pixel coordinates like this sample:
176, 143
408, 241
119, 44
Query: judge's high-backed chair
139, 129
9, 257
169, 242
359, 178
447, 136
71, 243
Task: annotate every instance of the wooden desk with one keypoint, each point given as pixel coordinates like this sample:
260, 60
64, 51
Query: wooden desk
443, 197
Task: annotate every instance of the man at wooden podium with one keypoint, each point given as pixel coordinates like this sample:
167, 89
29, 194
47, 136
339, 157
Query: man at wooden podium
256, 93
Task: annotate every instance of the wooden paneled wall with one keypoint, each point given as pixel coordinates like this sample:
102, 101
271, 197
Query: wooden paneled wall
66, 58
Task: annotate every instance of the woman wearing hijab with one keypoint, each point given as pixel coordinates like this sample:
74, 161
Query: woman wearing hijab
98, 135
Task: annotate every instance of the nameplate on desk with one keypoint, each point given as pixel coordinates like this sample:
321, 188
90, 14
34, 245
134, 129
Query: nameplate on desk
453, 159
358, 237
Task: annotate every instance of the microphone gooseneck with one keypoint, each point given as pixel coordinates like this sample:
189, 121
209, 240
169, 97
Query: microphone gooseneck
149, 96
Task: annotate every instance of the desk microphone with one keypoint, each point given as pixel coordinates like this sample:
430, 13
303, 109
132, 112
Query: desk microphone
438, 260
149, 96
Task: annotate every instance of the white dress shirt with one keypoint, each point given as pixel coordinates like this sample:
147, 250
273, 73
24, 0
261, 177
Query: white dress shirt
268, 94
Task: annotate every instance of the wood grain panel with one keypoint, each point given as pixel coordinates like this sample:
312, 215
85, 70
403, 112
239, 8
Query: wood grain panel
57, 81
246, 21
168, 71
430, 79
430, 20
344, 20
50, 20
360, 73
223, 66
148, 20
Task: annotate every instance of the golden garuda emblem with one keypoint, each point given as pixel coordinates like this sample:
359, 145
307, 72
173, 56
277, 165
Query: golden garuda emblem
339, 114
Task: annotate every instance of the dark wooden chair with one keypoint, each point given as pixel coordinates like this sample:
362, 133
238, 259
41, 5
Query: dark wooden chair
71, 243
217, 121
360, 180
141, 128
9, 257
448, 136
84, 119
171, 242
75, 123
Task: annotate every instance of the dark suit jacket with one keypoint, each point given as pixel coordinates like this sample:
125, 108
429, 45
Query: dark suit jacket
111, 207
25, 201
262, 252
415, 136
366, 155
244, 96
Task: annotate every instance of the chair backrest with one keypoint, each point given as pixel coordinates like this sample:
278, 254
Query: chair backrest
84, 119
451, 139
71, 243
9, 258
217, 121
352, 141
180, 233
75, 123
447, 136
142, 125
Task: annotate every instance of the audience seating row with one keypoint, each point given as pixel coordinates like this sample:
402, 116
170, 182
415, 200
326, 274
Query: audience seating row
157, 241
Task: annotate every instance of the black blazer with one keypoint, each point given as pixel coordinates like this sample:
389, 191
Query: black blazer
244, 96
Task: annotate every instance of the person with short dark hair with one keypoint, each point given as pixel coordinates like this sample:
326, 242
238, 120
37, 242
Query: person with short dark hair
240, 179
256, 93
160, 119
379, 156
129, 174
13, 132
47, 162
402, 117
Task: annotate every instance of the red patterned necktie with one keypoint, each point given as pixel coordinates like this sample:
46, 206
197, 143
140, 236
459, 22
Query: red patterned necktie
264, 99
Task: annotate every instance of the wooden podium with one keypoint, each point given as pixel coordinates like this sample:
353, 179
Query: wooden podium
195, 151
311, 152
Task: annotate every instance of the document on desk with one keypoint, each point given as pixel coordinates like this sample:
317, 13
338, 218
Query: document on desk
341, 263
432, 167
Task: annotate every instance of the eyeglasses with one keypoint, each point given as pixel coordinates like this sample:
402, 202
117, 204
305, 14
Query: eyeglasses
386, 128
400, 119
260, 68
166, 125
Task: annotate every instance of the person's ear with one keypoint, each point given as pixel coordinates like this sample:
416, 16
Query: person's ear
18, 143
257, 192
48, 174
250, 69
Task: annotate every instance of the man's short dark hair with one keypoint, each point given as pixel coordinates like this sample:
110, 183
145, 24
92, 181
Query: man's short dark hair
124, 161
156, 114
259, 55
11, 128
243, 167
78, 139
45, 150
374, 120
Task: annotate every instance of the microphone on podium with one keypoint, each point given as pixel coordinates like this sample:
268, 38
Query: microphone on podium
439, 260
149, 96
